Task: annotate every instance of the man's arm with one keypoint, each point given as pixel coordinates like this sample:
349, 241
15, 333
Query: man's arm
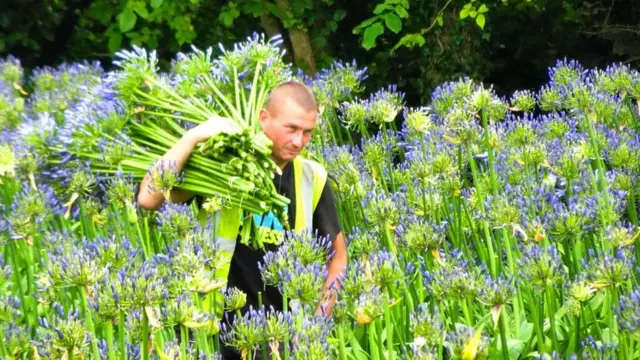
180, 153
336, 269
325, 221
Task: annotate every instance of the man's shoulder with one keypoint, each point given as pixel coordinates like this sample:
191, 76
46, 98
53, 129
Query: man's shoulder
316, 166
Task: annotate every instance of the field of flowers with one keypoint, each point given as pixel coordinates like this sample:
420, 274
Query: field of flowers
478, 227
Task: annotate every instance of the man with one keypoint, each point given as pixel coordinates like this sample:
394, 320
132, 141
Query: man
288, 119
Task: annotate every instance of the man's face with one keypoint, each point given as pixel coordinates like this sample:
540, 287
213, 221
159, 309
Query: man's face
289, 127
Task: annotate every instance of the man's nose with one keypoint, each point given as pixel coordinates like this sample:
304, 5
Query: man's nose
297, 139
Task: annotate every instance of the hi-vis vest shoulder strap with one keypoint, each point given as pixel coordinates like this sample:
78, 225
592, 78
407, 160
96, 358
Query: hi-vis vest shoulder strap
309, 180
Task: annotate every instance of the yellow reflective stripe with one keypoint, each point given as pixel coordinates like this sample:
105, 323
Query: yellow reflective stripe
230, 219
319, 180
300, 210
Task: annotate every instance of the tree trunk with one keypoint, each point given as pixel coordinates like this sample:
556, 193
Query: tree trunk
301, 44
270, 24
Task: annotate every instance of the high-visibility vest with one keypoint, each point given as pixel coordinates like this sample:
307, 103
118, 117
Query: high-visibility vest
309, 181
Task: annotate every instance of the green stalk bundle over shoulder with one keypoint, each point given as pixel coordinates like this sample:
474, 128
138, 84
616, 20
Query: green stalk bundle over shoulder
232, 167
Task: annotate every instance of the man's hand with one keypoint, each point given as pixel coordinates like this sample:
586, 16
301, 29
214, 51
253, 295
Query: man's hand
337, 268
212, 127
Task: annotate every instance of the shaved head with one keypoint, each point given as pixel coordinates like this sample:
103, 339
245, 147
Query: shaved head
292, 91
288, 119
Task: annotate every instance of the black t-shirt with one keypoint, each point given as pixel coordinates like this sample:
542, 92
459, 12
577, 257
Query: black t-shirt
244, 273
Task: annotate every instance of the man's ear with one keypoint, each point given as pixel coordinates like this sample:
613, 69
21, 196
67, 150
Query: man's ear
263, 116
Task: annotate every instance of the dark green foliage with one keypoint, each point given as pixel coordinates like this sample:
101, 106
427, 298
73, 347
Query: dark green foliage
416, 44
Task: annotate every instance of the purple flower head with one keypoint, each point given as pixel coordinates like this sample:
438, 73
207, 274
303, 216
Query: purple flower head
540, 267
629, 313
176, 221
462, 337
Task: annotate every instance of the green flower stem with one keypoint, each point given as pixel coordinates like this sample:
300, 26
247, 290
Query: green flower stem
604, 183
86, 223
389, 328
487, 144
264, 348
213, 310
577, 331
373, 346
221, 99
614, 301
527, 178
202, 335
551, 301
465, 311
17, 281
3, 350
342, 348
184, 339
390, 160
27, 253
595, 320
633, 110
89, 322
108, 331
434, 213
453, 309
444, 323
577, 255
285, 307
400, 327
508, 247
503, 334
518, 305
631, 206
173, 116
489, 243
538, 318
121, 336
594, 185
388, 239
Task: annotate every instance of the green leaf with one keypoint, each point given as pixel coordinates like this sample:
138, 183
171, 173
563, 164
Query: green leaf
483, 9
410, 41
320, 41
115, 41
514, 346
472, 14
276, 11
156, 3
609, 336
339, 14
253, 8
393, 22
402, 12
226, 18
464, 13
141, 9
127, 20
480, 21
380, 8
440, 20
526, 330
370, 35
365, 24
